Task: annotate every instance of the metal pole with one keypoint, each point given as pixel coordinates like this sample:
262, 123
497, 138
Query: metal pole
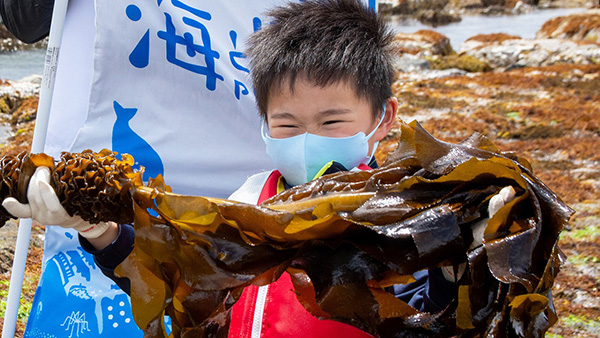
39, 139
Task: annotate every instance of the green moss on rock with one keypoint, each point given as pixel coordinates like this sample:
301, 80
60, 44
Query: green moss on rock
464, 62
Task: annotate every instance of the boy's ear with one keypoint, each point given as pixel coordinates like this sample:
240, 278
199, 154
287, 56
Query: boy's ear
391, 106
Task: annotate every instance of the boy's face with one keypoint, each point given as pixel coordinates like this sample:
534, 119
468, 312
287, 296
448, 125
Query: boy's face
333, 111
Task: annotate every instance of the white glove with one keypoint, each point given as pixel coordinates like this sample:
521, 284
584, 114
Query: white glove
44, 207
497, 201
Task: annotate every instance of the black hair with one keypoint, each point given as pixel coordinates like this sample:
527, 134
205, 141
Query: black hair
327, 41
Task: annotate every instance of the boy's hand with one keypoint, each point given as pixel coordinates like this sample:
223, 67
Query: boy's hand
507, 194
44, 207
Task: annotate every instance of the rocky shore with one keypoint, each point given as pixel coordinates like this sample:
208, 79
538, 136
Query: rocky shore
572, 39
537, 97
442, 12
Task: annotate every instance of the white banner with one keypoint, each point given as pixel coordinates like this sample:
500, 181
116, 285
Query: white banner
170, 86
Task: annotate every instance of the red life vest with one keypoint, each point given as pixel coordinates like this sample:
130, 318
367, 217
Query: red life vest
279, 313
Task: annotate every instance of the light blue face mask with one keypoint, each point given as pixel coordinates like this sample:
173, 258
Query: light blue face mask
300, 158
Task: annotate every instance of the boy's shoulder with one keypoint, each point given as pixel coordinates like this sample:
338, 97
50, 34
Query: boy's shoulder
250, 190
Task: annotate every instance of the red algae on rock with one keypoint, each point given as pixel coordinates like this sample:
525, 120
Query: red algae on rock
423, 42
584, 26
496, 37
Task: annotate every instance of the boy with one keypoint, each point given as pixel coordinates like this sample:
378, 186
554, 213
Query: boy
322, 76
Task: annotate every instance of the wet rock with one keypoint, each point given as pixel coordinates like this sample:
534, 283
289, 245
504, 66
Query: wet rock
437, 18
429, 74
585, 173
8, 237
395, 8
490, 3
464, 62
6, 259
28, 86
422, 43
413, 8
515, 53
583, 298
429, 55
584, 26
494, 10
410, 63
469, 4
514, 3
522, 8
429, 12
401, 7
567, 3
500, 7
481, 40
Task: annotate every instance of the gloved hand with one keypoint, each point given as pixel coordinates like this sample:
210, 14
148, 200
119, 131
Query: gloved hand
506, 194
44, 207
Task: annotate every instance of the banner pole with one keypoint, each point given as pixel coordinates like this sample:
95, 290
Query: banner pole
37, 146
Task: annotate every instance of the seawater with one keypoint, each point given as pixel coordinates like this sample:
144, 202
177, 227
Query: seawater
16, 65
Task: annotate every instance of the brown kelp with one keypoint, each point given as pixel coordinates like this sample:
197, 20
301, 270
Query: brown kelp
95, 186
343, 238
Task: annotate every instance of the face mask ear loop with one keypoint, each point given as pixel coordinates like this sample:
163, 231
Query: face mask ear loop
378, 124
373, 132
262, 131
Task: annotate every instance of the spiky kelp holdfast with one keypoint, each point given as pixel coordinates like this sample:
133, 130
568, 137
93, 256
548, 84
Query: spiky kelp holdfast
95, 186
345, 237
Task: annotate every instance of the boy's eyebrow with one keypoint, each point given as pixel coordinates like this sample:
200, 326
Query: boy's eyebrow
283, 115
333, 112
324, 113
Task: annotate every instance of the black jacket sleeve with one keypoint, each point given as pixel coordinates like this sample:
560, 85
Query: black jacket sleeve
431, 292
27, 20
110, 257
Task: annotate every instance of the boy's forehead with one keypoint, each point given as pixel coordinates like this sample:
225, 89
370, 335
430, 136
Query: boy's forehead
287, 84
293, 98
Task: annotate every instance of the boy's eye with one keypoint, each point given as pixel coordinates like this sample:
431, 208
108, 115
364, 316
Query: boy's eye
332, 122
